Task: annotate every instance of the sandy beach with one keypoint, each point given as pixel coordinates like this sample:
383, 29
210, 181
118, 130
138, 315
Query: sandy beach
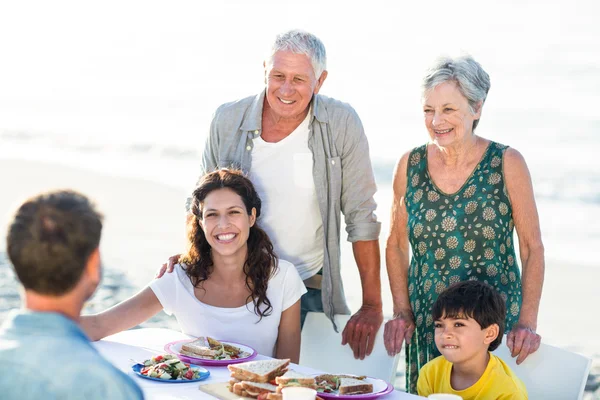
144, 224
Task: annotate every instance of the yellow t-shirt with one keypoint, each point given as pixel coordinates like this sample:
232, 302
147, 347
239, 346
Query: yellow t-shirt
498, 382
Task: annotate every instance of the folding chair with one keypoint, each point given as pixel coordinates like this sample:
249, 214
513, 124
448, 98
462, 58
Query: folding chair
322, 349
550, 373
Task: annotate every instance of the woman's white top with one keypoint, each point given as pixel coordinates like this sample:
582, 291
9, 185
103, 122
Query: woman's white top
176, 294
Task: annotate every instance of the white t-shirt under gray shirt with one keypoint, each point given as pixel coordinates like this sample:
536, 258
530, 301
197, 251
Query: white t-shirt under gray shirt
282, 174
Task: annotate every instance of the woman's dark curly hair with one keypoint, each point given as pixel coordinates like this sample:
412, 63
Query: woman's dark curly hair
261, 261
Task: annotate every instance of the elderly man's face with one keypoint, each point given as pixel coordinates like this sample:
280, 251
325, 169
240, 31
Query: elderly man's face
291, 83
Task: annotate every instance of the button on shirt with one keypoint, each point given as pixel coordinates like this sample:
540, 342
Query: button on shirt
47, 356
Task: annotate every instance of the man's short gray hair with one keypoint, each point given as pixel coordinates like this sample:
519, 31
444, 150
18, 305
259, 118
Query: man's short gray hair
301, 42
472, 81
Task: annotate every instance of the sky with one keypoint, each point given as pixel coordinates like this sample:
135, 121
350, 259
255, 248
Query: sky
154, 71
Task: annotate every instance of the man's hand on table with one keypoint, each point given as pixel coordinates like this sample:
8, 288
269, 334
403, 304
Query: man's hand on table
168, 266
361, 329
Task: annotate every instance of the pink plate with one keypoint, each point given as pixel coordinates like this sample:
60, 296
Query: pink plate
175, 348
380, 388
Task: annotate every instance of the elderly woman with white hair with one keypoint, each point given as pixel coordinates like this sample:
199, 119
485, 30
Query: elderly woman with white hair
457, 200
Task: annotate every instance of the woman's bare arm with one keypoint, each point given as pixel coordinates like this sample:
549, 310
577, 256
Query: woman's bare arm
288, 338
122, 316
401, 327
523, 340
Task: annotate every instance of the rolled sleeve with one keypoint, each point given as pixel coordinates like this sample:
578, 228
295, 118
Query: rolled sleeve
358, 184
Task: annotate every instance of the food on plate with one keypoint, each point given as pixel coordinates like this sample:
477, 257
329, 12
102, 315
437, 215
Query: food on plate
159, 359
169, 367
343, 384
256, 378
254, 389
276, 396
293, 378
259, 371
354, 386
211, 349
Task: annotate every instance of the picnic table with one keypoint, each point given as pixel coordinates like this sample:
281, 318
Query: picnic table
126, 348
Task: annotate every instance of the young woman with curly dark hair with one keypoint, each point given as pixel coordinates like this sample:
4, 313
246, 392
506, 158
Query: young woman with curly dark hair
229, 285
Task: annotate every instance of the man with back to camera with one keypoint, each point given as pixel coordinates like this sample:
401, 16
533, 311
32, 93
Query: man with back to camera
52, 243
308, 158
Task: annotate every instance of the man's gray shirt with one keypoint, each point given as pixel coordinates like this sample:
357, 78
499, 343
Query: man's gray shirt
342, 173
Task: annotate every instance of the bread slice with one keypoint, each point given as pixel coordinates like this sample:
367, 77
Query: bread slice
232, 382
261, 371
293, 378
238, 389
354, 386
255, 388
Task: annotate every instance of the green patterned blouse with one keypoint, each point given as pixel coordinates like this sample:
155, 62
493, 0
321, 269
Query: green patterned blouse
456, 237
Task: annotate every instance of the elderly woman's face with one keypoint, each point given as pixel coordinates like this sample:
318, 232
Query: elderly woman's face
448, 117
291, 83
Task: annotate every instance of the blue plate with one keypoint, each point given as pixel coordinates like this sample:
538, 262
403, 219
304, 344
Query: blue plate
204, 373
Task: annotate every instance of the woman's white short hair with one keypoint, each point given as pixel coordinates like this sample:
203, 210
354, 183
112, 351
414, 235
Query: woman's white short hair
472, 81
301, 42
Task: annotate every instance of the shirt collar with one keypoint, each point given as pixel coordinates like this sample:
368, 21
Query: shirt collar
42, 323
254, 120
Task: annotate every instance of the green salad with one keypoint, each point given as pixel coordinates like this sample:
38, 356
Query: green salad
169, 367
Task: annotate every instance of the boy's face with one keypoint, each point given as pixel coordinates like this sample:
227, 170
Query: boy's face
461, 339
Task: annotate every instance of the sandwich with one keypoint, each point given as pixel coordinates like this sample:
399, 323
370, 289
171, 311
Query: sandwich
329, 383
258, 371
293, 378
227, 348
252, 389
201, 348
354, 386
209, 348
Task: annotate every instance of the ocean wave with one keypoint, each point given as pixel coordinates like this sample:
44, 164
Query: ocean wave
573, 183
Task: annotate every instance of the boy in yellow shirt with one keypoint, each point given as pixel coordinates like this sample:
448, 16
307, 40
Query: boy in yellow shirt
469, 323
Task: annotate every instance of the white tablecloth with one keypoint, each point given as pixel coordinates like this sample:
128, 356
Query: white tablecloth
126, 348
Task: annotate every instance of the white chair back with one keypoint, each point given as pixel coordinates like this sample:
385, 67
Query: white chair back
550, 373
322, 349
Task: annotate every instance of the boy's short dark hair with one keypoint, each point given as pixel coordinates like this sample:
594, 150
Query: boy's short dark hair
473, 299
50, 240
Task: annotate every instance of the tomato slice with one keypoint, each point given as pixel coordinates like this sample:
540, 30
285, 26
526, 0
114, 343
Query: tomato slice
262, 396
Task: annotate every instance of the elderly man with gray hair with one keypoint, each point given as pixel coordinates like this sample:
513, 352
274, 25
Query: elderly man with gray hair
308, 157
